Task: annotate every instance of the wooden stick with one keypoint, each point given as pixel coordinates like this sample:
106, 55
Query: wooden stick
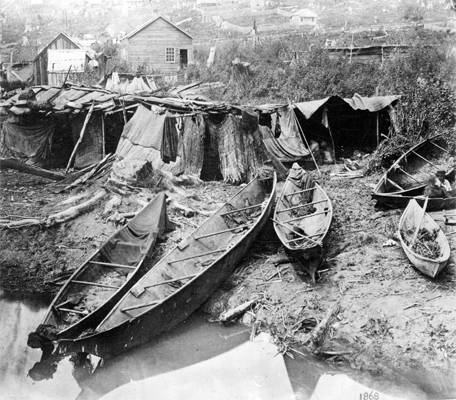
296, 233
73, 311
152, 303
440, 147
197, 255
424, 159
6, 163
300, 206
303, 137
95, 284
394, 184
103, 134
406, 173
114, 265
306, 216
242, 209
219, 232
81, 135
415, 235
300, 191
170, 281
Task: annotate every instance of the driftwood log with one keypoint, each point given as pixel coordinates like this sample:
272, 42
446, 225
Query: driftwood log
236, 312
6, 163
74, 211
316, 338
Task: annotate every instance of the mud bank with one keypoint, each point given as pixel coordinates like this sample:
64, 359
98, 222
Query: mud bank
392, 320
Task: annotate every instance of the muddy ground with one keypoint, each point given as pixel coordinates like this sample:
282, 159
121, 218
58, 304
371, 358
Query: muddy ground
392, 320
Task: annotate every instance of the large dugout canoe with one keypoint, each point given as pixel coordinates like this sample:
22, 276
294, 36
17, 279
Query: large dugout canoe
302, 218
407, 177
411, 217
184, 278
101, 281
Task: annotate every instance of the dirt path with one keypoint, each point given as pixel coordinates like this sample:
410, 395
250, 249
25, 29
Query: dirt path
392, 318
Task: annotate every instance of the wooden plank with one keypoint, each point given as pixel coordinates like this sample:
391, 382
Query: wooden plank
440, 147
306, 216
406, 173
171, 281
242, 209
72, 311
300, 206
290, 228
394, 184
152, 303
300, 191
197, 255
95, 284
114, 265
219, 232
424, 159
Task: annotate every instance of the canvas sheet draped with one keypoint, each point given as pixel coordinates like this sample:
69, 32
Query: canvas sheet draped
288, 145
148, 135
28, 143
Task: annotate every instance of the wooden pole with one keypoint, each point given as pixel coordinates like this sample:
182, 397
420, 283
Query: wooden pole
415, 235
303, 137
81, 135
377, 128
103, 134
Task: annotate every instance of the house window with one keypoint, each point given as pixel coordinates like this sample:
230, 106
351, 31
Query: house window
170, 55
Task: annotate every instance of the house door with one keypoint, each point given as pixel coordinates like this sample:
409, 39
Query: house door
183, 58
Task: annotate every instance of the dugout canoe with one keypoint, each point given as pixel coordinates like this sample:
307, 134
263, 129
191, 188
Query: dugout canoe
408, 223
184, 278
407, 177
101, 281
302, 218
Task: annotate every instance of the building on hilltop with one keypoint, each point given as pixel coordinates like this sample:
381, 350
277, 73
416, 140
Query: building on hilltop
158, 46
304, 17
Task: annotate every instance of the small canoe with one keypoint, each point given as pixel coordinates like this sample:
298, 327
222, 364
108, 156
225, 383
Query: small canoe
302, 218
184, 278
410, 218
101, 281
407, 177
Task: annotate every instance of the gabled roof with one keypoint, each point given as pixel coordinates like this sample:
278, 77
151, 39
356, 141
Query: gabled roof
305, 13
151, 21
66, 36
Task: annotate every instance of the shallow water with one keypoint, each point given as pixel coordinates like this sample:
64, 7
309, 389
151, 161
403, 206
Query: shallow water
193, 341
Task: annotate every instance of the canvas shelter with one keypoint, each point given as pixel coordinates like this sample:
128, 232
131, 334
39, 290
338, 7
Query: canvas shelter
348, 124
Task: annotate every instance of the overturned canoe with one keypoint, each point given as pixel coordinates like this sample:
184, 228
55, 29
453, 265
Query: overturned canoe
100, 282
408, 224
407, 177
184, 278
302, 218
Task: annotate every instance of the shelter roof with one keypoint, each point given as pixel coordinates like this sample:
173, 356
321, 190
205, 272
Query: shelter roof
151, 21
305, 13
357, 102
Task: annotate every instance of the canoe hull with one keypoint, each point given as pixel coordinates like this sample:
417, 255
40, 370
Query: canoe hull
409, 220
308, 254
169, 313
42, 336
389, 196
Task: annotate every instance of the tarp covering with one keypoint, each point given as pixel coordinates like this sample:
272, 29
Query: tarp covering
147, 135
90, 150
286, 133
29, 143
357, 102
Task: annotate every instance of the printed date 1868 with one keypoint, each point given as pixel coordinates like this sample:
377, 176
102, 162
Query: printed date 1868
372, 395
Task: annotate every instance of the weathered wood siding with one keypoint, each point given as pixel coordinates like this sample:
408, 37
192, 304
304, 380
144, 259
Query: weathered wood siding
147, 48
40, 64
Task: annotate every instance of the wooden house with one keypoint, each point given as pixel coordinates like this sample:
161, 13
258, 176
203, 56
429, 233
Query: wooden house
158, 46
41, 71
